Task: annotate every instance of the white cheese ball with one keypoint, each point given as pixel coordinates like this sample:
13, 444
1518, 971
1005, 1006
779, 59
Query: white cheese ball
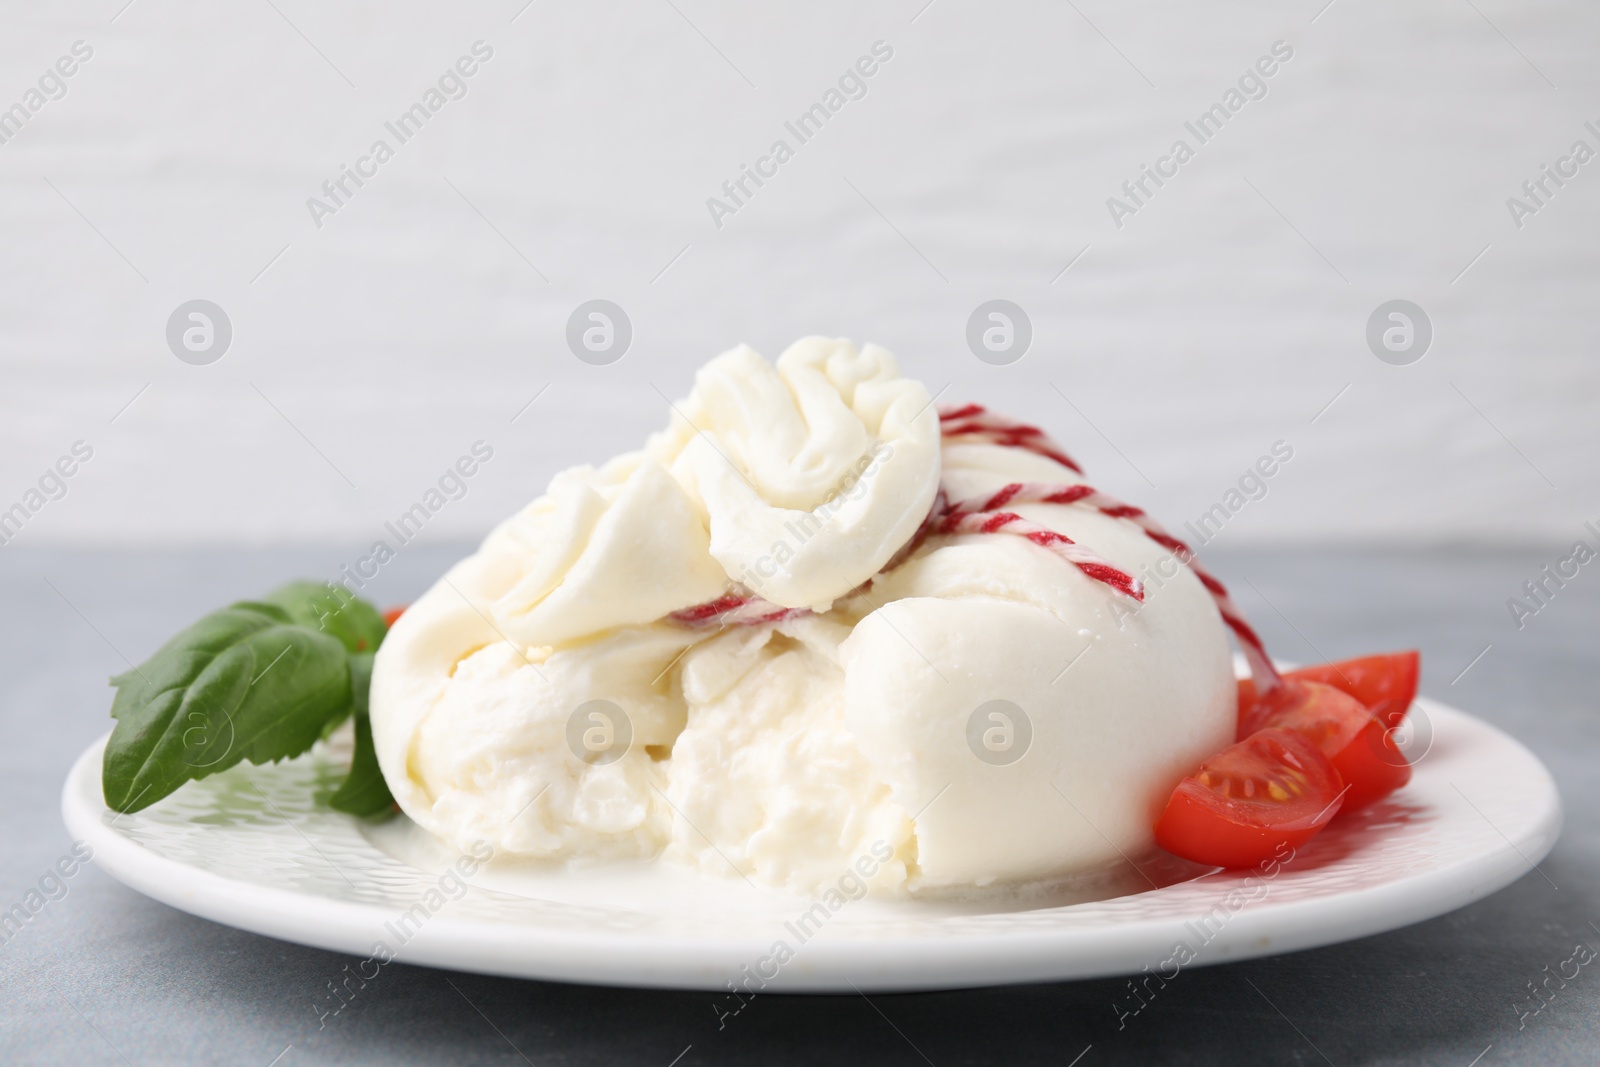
1121, 700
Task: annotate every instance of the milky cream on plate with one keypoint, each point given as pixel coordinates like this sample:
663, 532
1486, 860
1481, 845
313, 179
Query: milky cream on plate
782, 751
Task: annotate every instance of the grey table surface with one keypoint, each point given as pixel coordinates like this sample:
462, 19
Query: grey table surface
105, 976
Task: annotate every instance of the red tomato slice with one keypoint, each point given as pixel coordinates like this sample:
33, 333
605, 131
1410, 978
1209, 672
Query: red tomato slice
1323, 715
1355, 741
1248, 801
1244, 724
394, 613
1387, 684
1372, 766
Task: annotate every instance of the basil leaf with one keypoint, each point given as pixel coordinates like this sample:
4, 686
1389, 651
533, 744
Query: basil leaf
243, 683
332, 609
364, 791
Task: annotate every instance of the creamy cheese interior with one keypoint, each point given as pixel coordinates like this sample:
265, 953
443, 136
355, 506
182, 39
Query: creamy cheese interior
541, 698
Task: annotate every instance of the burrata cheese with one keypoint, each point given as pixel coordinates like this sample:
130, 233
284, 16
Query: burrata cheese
977, 707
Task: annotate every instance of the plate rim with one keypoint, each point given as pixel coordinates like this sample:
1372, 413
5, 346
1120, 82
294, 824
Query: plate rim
952, 960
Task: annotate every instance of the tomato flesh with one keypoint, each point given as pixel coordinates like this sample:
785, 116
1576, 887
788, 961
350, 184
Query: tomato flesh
1247, 802
1387, 684
1371, 765
1353, 738
394, 613
1323, 715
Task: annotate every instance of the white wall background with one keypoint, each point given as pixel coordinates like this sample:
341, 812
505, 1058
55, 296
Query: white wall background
1221, 318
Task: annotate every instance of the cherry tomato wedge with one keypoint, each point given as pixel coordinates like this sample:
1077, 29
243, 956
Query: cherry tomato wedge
392, 614
1244, 723
1372, 766
1355, 740
1386, 684
1319, 713
1244, 804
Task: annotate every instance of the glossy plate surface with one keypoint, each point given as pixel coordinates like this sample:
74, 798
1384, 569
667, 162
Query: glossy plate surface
256, 848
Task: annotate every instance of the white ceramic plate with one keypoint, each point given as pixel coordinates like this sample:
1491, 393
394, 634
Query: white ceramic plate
253, 847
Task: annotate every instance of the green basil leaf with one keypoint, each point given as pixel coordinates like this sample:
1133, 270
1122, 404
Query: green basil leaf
364, 791
332, 609
243, 683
